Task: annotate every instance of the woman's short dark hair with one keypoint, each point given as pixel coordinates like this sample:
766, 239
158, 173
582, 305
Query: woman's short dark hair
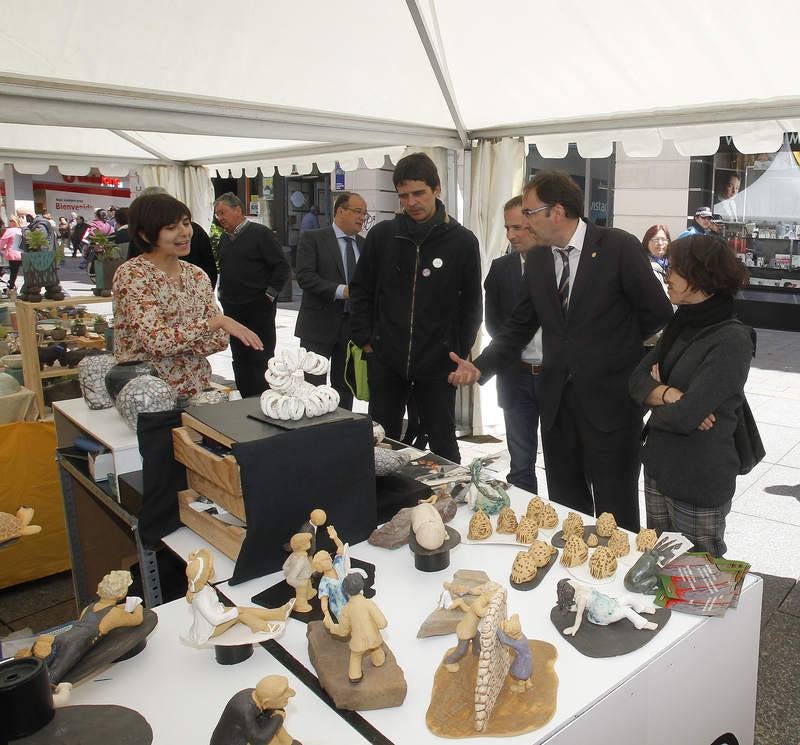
148, 214
556, 187
416, 167
708, 264
565, 595
122, 215
650, 234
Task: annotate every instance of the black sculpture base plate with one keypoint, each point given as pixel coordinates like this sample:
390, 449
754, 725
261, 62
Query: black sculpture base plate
558, 538
433, 560
613, 640
119, 644
280, 593
232, 655
541, 572
93, 725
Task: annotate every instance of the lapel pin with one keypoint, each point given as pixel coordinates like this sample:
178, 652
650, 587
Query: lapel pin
594, 253
437, 263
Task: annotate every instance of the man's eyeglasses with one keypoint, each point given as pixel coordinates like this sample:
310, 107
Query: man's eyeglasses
659, 240
356, 211
530, 213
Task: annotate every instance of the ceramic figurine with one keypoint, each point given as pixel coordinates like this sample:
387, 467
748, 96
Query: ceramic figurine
210, 617
61, 653
618, 543
601, 609
428, 526
333, 571
289, 396
643, 575
572, 525
297, 570
549, 519
606, 525
467, 629
487, 495
480, 527
362, 620
521, 670
256, 715
507, 521
16, 526
646, 539
316, 519
535, 509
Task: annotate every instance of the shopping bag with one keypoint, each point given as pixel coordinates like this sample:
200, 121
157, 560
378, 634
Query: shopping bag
747, 439
355, 372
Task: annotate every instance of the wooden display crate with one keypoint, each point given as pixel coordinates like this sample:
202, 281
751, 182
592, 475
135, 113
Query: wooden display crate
227, 538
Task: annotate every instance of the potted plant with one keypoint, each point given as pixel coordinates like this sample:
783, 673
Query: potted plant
78, 328
59, 332
39, 269
107, 260
100, 324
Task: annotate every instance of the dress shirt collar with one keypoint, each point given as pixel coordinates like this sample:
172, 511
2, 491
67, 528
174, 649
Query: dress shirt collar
339, 233
237, 231
576, 241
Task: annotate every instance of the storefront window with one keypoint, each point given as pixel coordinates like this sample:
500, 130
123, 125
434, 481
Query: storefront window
598, 173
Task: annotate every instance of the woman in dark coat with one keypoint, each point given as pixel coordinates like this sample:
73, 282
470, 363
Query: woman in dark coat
693, 381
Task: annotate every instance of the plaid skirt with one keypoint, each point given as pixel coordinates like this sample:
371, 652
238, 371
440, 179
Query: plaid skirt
703, 526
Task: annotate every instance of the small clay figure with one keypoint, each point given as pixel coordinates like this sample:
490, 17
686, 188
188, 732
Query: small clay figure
297, 570
600, 609
541, 552
210, 617
592, 541
606, 524
507, 521
523, 569
521, 671
575, 552
572, 525
331, 595
61, 653
646, 539
256, 715
16, 526
428, 526
527, 530
316, 519
618, 543
549, 517
362, 620
603, 563
467, 629
535, 510
480, 527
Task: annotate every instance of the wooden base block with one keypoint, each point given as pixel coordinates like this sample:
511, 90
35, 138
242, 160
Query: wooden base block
452, 713
380, 688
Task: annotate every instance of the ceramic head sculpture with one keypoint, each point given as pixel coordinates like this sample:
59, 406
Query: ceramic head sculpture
362, 621
16, 526
259, 712
572, 525
606, 525
428, 526
619, 544
600, 609
507, 521
318, 518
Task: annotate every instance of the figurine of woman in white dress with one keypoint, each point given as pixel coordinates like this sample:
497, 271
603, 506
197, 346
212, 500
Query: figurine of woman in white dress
212, 618
601, 609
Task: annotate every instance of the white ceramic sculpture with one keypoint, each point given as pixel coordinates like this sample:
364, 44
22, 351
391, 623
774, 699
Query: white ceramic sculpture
290, 396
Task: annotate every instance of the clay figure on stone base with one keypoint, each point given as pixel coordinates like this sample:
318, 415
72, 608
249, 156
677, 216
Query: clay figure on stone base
363, 621
210, 617
331, 595
298, 570
255, 716
61, 653
601, 609
467, 629
521, 670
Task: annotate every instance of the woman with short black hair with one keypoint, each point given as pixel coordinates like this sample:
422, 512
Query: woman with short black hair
165, 310
693, 381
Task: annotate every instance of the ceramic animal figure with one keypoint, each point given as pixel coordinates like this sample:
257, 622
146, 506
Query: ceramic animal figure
16, 526
601, 609
643, 575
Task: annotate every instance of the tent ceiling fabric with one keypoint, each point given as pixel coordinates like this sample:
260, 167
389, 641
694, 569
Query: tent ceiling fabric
365, 80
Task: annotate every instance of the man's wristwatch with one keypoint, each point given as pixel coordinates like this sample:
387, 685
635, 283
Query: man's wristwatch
269, 296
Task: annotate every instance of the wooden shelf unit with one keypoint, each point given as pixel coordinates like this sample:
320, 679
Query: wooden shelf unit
26, 324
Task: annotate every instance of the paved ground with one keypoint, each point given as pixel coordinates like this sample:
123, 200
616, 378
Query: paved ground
763, 528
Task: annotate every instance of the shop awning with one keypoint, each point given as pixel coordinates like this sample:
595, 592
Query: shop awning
281, 82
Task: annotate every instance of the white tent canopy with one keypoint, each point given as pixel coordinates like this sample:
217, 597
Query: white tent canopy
260, 84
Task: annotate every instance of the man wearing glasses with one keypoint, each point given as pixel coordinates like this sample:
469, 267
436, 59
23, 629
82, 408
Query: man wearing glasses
596, 300
326, 264
417, 297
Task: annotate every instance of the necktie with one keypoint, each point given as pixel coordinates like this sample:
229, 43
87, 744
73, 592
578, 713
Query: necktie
350, 266
563, 283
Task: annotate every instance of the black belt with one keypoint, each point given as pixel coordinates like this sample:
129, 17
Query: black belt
532, 369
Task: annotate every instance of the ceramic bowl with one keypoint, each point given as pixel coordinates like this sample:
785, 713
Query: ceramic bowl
12, 360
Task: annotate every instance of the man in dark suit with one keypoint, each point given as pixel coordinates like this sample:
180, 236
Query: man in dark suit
326, 262
517, 383
592, 292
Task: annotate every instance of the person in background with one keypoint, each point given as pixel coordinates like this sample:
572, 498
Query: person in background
11, 248
164, 308
516, 384
701, 225
99, 224
693, 382
310, 220
112, 216
655, 242
121, 235
76, 235
416, 297
253, 272
200, 253
596, 300
326, 262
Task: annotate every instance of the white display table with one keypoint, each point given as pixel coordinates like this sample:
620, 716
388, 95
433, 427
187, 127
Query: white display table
695, 681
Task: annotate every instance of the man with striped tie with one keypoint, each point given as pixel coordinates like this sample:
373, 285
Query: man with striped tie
592, 292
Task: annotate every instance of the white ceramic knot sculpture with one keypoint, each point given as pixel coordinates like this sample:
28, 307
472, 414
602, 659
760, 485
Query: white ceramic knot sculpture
290, 396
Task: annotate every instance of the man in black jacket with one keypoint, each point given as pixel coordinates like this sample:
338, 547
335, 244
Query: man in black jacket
595, 297
416, 297
253, 271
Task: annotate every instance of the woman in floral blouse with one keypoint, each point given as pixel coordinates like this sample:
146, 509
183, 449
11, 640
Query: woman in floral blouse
164, 308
